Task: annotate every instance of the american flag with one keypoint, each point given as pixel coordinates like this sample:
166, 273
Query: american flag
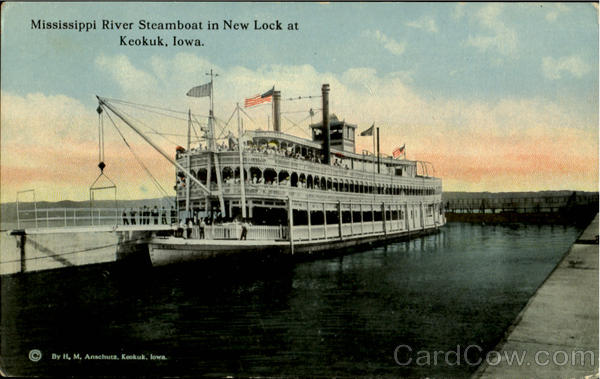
266, 97
398, 151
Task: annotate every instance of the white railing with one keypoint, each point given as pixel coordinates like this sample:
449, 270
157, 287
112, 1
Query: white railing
69, 217
234, 231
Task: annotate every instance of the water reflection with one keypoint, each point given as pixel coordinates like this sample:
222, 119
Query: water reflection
340, 316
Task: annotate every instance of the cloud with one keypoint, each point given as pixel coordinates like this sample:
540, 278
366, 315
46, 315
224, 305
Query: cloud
511, 144
574, 65
555, 10
50, 143
502, 39
123, 72
426, 23
459, 11
39, 119
390, 44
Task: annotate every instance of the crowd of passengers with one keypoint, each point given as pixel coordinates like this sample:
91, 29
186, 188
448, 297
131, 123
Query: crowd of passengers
270, 182
154, 216
300, 184
147, 216
270, 150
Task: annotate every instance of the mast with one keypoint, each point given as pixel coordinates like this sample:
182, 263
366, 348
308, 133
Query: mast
374, 157
212, 150
189, 128
378, 157
211, 116
242, 179
188, 162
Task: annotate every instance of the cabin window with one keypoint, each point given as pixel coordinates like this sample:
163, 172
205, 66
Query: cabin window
377, 215
429, 211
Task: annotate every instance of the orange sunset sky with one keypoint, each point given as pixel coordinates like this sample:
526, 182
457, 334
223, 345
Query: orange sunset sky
498, 97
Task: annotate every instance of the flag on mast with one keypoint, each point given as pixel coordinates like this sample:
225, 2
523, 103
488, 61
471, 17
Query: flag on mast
368, 132
257, 99
399, 151
200, 91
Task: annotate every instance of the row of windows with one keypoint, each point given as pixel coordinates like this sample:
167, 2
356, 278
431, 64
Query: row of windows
271, 177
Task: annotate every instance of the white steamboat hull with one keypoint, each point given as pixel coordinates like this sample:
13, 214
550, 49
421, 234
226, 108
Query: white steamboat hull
172, 250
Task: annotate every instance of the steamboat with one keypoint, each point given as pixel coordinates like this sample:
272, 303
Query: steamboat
266, 194
275, 193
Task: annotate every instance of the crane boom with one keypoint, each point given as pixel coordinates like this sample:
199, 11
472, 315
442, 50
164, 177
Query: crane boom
103, 102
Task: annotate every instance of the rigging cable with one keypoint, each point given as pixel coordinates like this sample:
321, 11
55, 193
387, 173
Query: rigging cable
149, 127
100, 119
247, 115
221, 135
295, 125
149, 108
302, 98
154, 180
139, 105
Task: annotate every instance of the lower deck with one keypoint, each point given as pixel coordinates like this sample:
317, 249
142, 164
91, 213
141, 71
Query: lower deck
300, 226
324, 226
173, 250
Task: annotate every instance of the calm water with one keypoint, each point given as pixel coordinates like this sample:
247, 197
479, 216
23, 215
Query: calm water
343, 316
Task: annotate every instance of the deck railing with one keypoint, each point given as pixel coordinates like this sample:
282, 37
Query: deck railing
301, 232
68, 217
234, 231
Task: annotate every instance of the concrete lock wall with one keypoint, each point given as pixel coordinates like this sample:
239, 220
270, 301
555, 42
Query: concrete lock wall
44, 251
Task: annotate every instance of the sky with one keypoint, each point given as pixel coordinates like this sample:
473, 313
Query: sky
497, 96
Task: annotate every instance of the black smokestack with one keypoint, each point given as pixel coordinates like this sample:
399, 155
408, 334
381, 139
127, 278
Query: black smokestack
276, 112
326, 131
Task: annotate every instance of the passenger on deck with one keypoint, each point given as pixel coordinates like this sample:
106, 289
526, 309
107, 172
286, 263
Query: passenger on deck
202, 226
190, 226
155, 215
132, 213
125, 221
245, 226
163, 213
173, 215
145, 215
182, 229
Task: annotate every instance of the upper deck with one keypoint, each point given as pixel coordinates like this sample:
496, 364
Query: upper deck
283, 164
272, 165
277, 148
